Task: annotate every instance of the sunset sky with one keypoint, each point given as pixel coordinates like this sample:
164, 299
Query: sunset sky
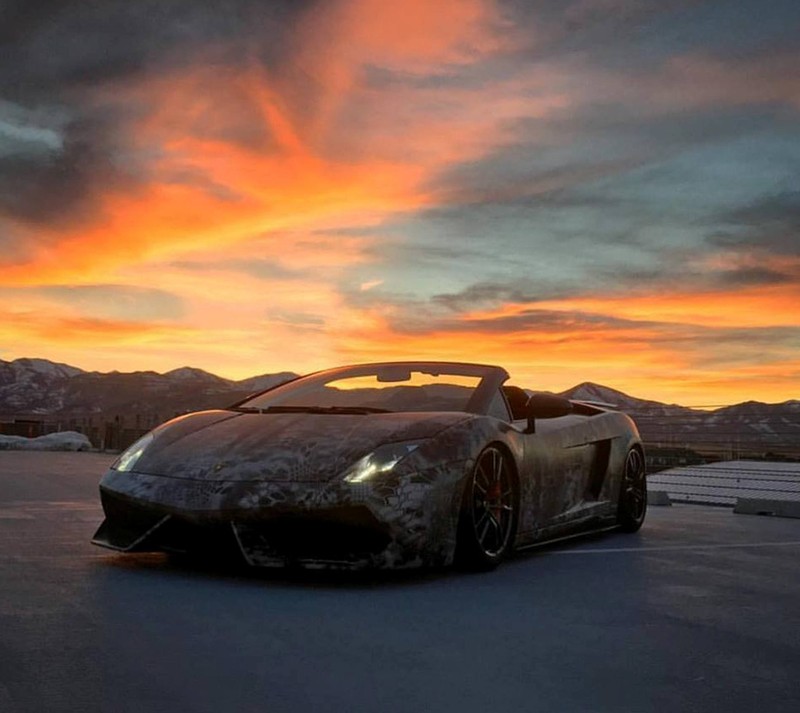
578, 190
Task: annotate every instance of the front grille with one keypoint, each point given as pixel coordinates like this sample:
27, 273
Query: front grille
214, 540
336, 534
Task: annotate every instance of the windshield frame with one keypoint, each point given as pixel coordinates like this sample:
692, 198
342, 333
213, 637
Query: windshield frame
491, 378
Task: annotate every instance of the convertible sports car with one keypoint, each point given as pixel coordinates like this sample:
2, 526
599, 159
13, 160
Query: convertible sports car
396, 464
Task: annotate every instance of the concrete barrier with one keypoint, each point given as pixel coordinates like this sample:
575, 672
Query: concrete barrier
658, 497
764, 506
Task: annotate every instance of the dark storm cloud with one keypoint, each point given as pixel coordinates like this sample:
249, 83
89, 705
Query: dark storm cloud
56, 45
689, 269
62, 60
561, 27
512, 181
770, 224
544, 321
754, 277
416, 320
48, 184
783, 208
566, 157
613, 31
488, 294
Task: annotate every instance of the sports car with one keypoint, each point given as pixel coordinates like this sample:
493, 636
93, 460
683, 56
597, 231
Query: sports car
397, 464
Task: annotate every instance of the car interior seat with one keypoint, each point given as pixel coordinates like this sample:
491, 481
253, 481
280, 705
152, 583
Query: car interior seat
517, 402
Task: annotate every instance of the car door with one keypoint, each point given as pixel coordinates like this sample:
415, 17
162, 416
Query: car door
558, 461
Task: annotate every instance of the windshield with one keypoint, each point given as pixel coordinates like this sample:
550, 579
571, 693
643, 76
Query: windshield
375, 388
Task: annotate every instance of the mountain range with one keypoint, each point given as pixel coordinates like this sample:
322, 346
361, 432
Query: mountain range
38, 388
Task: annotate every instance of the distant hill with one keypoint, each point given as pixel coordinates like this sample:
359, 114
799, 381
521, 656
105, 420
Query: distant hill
587, 391
746, 427
37, 388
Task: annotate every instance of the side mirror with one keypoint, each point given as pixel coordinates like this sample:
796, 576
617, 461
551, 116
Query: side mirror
543, 405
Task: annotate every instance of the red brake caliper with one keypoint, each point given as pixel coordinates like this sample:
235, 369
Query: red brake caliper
492, 499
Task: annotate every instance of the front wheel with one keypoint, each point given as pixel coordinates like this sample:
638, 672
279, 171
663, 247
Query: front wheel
488, 519
632, 505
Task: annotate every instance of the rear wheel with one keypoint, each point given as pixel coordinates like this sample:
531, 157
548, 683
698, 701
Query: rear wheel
488, 518
632, 505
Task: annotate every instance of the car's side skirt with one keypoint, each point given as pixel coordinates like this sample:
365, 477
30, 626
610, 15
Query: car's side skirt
571, 531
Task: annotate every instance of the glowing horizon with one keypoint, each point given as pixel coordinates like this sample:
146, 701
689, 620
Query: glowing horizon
363, 181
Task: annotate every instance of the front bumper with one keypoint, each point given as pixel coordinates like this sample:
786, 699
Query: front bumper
399, 521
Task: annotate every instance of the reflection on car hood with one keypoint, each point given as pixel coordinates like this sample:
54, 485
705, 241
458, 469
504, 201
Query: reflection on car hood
295, 447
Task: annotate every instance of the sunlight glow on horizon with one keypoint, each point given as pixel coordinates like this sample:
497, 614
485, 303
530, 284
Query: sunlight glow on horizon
432, 181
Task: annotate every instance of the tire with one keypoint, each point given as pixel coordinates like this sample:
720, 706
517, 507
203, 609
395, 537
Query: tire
632, 506
489, 512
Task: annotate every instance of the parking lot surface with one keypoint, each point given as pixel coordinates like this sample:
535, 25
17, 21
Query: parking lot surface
697, 612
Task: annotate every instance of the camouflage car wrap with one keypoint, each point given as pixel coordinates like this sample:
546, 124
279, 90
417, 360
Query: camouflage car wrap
271, 488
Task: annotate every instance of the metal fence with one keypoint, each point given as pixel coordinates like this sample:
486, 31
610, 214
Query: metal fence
105, 434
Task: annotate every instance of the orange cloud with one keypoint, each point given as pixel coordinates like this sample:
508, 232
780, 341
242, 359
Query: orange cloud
692, 348
249, 183
206, 185
227, 153
764, 306
629, 361
287, 190
44, 330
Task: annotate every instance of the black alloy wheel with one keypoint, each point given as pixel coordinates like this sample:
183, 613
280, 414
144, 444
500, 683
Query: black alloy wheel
633, 493
488, 519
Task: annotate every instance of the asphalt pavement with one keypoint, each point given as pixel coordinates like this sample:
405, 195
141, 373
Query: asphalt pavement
700, 611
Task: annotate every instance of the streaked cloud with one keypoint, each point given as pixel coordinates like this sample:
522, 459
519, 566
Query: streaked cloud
369, 284
599, 189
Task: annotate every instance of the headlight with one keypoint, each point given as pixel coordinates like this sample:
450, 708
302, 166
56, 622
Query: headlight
129, 457
381, 460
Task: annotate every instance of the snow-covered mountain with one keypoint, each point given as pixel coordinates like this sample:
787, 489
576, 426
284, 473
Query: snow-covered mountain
588, 391
746, 426
37, 386
33, 385
43, 367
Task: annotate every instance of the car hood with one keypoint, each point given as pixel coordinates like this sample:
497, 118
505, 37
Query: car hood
280, 447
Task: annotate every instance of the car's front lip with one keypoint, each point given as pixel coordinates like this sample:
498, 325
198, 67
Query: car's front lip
344, 533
